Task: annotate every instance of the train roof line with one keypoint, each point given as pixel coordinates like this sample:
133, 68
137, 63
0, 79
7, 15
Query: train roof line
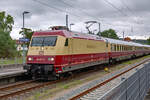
114, 41
74, 34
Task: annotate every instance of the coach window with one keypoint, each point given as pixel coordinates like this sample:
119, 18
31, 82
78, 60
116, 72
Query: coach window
106, 44
120, 47
111, 47
117, 47
114, 47
66, 42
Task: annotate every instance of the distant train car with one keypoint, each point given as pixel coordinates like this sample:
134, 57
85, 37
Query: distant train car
53, 53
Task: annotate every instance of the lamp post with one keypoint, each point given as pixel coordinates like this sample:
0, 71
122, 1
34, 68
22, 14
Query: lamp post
67, 21
71, 25
123, 35
99, 24
25, 12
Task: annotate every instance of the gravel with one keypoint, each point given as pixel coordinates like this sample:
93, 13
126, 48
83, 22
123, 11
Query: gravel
103, 89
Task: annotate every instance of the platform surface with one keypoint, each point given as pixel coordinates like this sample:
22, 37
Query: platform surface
10, 72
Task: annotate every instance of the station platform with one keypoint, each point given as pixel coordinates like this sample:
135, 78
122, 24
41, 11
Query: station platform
11, 72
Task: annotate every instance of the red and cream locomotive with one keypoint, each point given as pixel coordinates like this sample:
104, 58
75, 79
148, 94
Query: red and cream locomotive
55, 52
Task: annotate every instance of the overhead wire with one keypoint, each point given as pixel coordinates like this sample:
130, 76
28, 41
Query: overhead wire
133, 13
56, 8
70, 5
129, 9
113, 6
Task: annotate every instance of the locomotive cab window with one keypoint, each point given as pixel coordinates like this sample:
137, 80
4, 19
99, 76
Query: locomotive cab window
66, 42
44, 41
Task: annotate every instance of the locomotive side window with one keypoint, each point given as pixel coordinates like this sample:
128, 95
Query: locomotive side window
66, 42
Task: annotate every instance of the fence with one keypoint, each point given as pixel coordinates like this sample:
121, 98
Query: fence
133, 88
8, 61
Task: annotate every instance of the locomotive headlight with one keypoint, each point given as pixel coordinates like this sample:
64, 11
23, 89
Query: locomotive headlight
30, 59
51, 59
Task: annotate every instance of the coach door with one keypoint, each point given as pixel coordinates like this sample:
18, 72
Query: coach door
107, 50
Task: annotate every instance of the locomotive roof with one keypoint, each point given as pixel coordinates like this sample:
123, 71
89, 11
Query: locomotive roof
69, 34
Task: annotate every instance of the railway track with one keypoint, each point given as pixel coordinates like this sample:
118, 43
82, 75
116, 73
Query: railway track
19, 88
84, 95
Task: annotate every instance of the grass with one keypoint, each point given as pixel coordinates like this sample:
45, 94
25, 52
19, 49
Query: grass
11, 61
60, 87
49, 93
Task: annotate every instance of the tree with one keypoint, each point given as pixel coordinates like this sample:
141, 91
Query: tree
109, 34
27, 33
7, 45
6, 22
148, 41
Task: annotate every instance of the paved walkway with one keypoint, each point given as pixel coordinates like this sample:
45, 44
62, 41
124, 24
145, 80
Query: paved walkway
11, 72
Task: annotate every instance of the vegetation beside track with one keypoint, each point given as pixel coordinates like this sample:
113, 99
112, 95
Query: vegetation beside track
76, 82
11, 61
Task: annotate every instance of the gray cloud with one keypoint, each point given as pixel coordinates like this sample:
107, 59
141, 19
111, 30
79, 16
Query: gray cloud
122, 15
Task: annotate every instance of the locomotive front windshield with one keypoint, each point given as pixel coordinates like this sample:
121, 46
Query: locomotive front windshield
44, 41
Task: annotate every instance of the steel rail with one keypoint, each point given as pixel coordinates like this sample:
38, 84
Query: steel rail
106, 81
15, 85
27, 89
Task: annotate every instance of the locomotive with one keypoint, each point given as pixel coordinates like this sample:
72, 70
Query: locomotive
55, 52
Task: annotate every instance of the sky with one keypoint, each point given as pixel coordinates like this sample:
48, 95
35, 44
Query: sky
129, 16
